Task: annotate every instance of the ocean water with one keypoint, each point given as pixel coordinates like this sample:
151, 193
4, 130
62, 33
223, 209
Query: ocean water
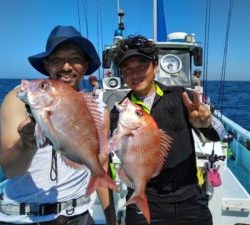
236, 98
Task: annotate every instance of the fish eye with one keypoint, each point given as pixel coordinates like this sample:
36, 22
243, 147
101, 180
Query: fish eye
44, 85
139, 112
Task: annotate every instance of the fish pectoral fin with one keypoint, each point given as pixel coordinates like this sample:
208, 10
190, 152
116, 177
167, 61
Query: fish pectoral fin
104, 180
115, 143
46, 116
71, 163
40, 139
47, 120
125, 178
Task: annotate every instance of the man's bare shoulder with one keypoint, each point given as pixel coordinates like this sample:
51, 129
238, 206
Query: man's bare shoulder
12, 104
13, 113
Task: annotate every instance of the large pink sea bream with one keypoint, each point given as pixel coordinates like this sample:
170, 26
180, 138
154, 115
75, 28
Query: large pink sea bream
72, 123
142, 148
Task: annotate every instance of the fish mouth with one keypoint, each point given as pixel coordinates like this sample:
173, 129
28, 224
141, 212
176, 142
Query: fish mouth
130, 125
22, 95
119, 107
21, 91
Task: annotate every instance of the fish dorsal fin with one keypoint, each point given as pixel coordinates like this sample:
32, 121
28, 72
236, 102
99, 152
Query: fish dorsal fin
96, 107
165, 144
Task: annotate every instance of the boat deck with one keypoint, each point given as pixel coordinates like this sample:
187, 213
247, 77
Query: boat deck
230, 202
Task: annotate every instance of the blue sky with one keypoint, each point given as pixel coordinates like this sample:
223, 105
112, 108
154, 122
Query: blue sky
25, 25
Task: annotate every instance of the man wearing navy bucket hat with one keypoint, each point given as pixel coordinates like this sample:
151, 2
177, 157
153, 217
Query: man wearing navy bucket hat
66, 34
36, 192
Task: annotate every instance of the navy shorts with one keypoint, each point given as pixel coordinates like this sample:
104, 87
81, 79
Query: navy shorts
191, 211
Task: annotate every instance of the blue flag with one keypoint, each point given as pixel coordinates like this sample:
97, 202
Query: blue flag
161, 24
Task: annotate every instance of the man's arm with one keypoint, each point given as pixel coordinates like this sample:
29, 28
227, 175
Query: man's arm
215, 132
200, 117
17, 137
106, 195
106, 198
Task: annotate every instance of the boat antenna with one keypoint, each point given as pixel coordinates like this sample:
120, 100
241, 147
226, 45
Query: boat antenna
118, 7
121, 26
120, 14
119, 32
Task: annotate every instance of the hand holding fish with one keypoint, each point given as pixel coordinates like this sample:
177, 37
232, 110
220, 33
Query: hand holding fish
199, 114
26, 132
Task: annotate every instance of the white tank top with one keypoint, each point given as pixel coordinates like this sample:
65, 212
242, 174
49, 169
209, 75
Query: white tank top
36, 186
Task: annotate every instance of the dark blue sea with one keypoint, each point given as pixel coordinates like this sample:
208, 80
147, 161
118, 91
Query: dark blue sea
232, 97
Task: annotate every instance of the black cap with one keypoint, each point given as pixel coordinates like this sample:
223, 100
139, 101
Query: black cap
136, 46
133, 52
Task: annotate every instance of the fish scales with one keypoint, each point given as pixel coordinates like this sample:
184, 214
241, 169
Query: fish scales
142, 149
64, 116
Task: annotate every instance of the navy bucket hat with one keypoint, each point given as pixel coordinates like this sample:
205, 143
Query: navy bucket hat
62, 34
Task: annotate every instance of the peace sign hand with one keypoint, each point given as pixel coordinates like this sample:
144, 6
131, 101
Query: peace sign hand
199, 113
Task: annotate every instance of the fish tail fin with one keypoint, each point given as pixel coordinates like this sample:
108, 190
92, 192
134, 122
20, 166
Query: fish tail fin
103, 180
142, 203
